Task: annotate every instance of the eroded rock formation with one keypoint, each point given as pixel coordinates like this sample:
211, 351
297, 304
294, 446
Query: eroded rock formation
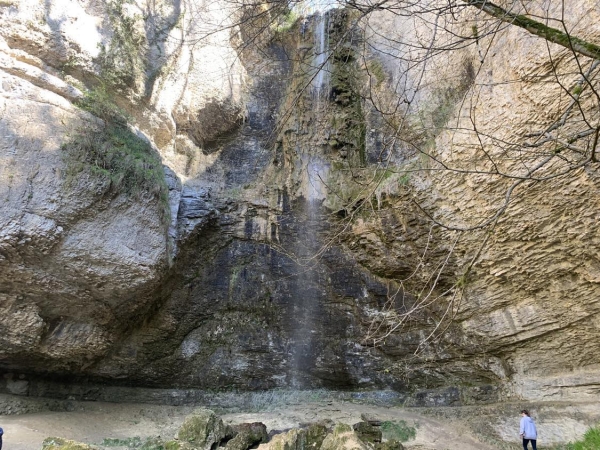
271, 251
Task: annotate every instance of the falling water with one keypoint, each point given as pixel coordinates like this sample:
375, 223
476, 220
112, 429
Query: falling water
320, 62
309, 295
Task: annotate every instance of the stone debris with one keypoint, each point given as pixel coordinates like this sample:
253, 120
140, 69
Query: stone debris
204, 430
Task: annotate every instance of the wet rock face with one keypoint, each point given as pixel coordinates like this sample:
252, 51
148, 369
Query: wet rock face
245, 314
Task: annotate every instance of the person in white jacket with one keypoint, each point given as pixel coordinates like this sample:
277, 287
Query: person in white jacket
528, 431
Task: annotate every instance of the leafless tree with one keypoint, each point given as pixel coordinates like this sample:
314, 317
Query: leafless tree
561, 143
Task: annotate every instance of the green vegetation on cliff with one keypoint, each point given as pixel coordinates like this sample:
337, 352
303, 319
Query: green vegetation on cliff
122, 61
112, 152
348, 119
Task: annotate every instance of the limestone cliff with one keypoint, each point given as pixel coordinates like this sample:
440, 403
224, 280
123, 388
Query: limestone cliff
292, 226
86, 241
528, 312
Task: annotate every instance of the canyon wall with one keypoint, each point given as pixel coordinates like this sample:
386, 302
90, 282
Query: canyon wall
189, 203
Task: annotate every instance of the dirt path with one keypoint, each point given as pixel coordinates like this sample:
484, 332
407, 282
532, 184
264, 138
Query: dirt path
93, 422
90, 423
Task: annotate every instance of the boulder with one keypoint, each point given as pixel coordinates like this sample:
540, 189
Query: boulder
174, 445
367, 432
343, 438
56, 443
315, 435
294, 439
389, 445
246, 435
201, 430
372, 420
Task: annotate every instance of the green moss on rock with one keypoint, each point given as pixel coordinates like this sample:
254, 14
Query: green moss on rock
341, 428
398, 430
111, 151
56, 443
367, 432
343, 438
292, 440
315, 435
202, 429
247, 435
389, 445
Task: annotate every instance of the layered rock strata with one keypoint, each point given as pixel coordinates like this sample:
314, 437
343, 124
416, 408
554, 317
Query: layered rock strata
290, 230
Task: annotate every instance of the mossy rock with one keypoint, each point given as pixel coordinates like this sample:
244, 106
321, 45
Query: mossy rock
315, 435
174, 445
150, 443
341, 428
398, 430
246, 435
292, 440
367, 433
343, 438
56, 443
153, 443
389, 445
202, 429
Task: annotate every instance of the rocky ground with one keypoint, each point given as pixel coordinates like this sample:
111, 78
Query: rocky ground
27, 422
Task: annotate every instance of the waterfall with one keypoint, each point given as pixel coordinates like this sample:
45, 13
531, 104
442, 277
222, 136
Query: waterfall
320, 62
309, 297
316, 172
308, 226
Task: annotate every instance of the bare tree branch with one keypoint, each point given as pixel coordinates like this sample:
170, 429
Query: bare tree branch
553, 35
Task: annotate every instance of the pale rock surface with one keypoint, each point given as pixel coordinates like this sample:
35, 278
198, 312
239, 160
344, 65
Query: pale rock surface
343, 438
71, 252
76, 260
529, 317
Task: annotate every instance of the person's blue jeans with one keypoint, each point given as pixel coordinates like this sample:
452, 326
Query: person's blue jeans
526, 441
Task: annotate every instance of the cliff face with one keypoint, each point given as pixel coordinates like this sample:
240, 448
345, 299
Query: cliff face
289, 232
528, 311
74, 252
85, 241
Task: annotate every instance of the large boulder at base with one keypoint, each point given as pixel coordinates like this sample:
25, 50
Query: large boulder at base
56, 443
246, 435
202, 429
343, 438
367, 432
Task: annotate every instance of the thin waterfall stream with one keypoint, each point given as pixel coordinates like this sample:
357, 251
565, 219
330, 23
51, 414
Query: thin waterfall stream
321, 61
310, 295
